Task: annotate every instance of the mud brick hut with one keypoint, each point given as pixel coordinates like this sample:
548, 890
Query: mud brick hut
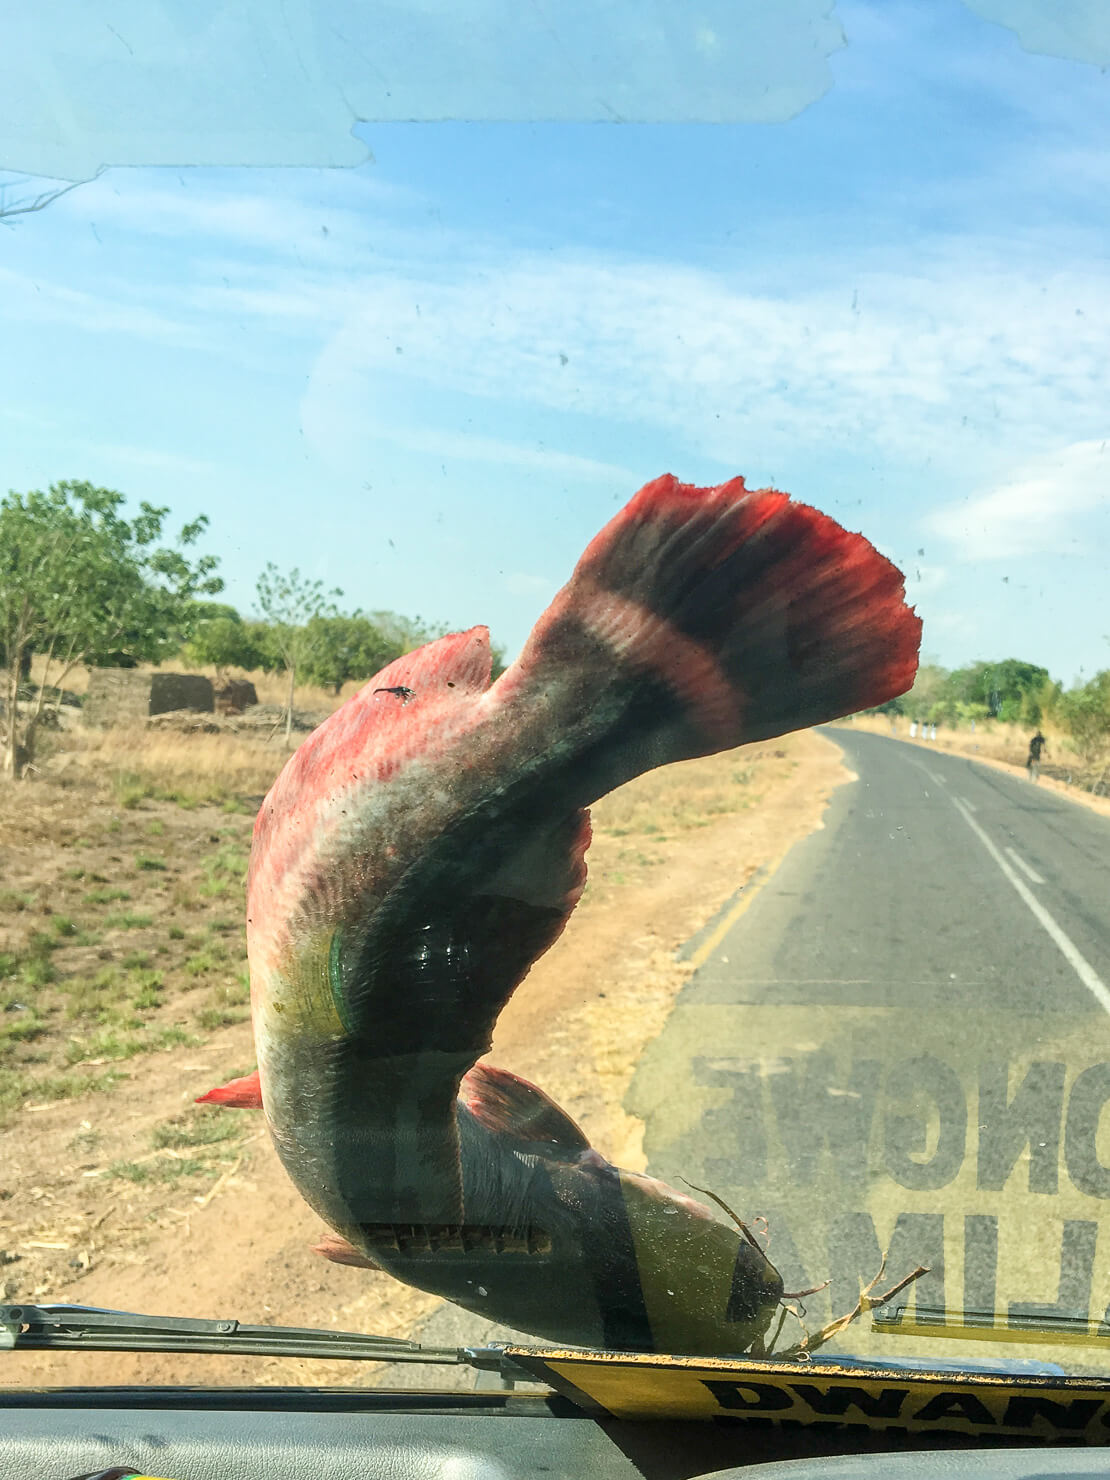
235, 696
125, 696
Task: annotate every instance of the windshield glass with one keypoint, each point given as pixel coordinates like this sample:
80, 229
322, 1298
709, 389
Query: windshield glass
296, 407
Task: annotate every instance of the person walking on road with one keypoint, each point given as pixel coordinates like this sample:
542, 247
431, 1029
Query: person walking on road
1033, 760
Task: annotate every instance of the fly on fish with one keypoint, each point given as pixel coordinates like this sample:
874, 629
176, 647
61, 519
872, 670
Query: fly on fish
428, 842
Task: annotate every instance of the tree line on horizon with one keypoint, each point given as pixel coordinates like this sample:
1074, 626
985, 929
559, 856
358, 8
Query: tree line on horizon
1012, 691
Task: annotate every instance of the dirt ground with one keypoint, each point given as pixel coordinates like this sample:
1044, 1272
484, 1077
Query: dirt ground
121, 997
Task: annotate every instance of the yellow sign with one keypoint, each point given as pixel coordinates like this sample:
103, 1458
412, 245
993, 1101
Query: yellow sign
827, 1398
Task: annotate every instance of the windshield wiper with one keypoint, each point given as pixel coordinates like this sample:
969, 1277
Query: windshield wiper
90, 1328
982, 1325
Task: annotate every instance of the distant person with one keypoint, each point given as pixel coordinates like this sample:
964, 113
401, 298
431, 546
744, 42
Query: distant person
1033, 760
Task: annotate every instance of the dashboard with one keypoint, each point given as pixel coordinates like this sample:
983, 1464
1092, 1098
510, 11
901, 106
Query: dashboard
287, 1434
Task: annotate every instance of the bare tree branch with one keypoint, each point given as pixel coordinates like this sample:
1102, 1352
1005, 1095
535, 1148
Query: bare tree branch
25, 207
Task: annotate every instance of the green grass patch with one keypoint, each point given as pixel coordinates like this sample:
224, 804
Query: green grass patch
106, 1045
15, 902
151, 865
149, 992
203, 1128
21, 1027
128, 788
37, 971
175, 932
174, 1037
158, 1172
106, 896
201, 963
16, 1089
211, 1018
127, 921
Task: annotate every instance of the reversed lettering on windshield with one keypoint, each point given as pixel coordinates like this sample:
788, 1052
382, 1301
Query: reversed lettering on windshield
983, 1155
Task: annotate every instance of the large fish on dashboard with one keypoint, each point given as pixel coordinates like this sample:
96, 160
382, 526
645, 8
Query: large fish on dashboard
427, 843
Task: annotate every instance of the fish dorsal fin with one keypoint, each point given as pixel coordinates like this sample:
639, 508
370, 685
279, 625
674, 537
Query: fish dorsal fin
240, 1094
510, 1106
460, 661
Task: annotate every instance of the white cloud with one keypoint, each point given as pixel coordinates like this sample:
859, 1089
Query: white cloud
37, 299
152, 457
339, 433
1038, 510
976, 345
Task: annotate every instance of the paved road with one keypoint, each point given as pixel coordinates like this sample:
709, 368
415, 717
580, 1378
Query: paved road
902, 1045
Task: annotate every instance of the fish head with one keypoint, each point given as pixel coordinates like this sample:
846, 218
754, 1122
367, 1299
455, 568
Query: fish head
708, 1288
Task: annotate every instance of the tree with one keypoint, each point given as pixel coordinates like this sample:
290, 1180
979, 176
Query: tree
289, 603
344, 648
1085, 711
78, 582
222, 639
26, 205
1001, 686
406, 633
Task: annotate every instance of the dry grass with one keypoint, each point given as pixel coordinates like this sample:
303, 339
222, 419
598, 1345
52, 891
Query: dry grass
226, 770
991, 738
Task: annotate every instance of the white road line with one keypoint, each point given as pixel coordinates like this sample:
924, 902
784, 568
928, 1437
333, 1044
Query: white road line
1066, 946
933, 776
971, 807
1029, 872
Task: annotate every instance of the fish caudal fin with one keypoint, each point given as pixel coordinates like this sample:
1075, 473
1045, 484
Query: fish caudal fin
710, 617
239, 1094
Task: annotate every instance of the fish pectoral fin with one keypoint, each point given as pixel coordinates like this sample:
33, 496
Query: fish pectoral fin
240, 1094
342, 1251
510, 1106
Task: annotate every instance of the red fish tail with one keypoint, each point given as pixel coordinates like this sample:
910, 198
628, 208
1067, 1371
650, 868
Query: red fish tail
718, 616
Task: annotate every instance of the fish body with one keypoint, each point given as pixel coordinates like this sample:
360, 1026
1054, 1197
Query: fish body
427, 843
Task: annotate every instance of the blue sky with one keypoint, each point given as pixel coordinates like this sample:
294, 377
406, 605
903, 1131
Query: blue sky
430, 378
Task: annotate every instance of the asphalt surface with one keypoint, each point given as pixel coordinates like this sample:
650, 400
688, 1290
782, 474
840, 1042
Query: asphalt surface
901, 1046
898, 1043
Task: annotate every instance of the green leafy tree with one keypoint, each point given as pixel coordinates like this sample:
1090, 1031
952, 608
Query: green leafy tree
406, 633
222, 640
1003, 686
1085, 713
289, 603
344, 648
79, 582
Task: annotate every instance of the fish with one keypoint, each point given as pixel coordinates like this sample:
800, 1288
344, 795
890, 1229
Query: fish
427, 843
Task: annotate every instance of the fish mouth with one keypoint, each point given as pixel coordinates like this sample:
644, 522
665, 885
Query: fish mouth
756, 1283
438, 1242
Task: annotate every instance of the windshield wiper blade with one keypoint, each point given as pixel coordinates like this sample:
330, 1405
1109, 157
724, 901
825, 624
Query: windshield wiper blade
981, 1325
91, 1328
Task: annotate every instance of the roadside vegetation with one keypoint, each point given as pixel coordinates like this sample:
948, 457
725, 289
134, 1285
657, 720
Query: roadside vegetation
995, 707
